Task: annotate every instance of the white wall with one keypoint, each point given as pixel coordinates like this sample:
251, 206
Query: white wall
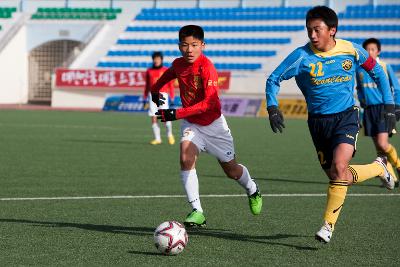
14, 70
39, 32
78, 99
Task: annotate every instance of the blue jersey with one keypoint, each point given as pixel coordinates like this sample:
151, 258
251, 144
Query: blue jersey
367, 90
326, 79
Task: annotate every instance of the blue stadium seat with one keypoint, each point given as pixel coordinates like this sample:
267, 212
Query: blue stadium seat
223, 13
390, 54
209, 41
370, 11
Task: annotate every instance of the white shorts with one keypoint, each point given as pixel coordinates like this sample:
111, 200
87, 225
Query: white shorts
215, 139
153, 107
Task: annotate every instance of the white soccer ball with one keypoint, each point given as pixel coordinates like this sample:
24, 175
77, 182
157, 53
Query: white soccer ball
170, 238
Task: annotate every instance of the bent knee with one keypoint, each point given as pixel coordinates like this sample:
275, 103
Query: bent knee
187, 163
338, 171
234, 172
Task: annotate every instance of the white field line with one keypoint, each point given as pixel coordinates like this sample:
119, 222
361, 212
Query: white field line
184, 196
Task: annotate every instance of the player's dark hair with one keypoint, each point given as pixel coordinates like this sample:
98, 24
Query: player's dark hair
157, 54
324, 13
191, 30
372, 41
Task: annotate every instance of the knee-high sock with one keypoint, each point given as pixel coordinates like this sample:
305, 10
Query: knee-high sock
168, 125
246, 182
337, 191
364, 172
191, 184
156, 131
392, 157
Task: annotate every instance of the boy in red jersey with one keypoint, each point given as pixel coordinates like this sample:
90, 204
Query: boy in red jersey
204, 127
152, 75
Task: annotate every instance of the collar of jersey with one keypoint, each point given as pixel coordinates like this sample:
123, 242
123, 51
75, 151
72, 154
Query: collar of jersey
341, 48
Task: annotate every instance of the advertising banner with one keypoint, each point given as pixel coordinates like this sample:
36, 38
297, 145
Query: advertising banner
132, 103
291, 108
239, 107
113, 79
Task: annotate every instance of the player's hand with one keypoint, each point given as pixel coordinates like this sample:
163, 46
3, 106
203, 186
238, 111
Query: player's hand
275, 119
166, 114
158, 99
390, 118
397, 112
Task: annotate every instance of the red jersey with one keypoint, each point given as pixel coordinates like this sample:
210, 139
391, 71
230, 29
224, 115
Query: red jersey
198, 84
152, 75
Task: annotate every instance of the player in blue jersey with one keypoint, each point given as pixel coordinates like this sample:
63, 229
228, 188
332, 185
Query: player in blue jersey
371, 100
324, 70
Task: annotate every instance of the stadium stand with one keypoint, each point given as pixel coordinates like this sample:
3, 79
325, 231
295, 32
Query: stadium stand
248, 42
243, 39
76, 13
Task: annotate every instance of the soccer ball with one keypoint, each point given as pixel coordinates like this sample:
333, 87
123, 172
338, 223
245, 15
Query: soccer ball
170, 238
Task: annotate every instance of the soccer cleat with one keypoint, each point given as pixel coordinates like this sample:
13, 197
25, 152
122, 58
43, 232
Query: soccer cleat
255, 203
171, 139
195, 219
387, 177
324, 235
396, 183
155, 142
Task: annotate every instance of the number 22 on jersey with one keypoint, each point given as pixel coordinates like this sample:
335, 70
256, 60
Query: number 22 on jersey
316, 69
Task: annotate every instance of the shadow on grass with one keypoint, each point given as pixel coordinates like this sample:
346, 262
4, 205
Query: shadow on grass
146, 253
141, 231
217, 233
282, 180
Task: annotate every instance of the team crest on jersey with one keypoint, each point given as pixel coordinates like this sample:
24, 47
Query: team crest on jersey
198, 82
347, 64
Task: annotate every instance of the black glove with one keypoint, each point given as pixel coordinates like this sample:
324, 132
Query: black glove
397, 112
390, 118
275, 119
166, 114
158, 99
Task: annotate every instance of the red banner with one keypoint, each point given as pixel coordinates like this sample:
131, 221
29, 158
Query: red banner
114, 79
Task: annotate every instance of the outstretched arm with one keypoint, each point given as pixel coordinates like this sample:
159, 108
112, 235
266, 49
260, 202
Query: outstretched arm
286, 70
